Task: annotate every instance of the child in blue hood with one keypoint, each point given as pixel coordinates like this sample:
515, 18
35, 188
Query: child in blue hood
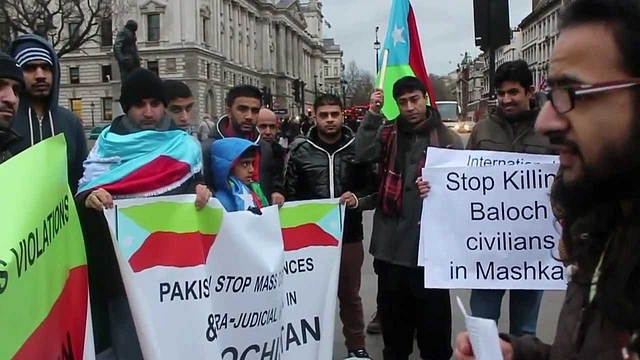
232, 162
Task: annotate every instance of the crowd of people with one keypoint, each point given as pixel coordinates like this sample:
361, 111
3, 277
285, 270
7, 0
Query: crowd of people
590, 120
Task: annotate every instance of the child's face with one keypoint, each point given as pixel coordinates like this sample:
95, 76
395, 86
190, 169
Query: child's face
243, 170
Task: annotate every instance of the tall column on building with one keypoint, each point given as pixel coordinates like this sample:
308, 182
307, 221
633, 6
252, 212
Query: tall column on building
243, 43
294, 54
236, 43
290, 49
226, 44
263, 45
253, 42
281, 48
300, 68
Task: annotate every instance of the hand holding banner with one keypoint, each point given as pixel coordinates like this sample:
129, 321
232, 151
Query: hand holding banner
230, 284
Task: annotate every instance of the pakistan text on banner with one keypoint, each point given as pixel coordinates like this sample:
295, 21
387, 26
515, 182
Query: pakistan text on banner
218, 285
437, 157
44, 294
491, 228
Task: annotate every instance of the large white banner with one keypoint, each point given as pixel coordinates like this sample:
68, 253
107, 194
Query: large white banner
489, 226
230, 286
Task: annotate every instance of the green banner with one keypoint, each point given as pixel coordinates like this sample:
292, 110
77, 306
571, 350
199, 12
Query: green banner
43, 267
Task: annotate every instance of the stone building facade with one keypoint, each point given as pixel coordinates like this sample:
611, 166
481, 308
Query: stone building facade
211, 45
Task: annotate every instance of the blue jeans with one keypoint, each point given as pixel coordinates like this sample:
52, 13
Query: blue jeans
524, 306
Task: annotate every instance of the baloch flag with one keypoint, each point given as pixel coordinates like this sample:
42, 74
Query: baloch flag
44, 293
405, 55
141, 164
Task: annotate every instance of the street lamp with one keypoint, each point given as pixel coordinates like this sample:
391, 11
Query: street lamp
93, 123
376, 46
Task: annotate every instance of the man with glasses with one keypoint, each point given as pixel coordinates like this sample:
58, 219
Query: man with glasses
511, 128
592, 118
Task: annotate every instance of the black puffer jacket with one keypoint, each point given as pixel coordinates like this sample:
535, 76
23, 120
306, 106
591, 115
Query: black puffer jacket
315, 173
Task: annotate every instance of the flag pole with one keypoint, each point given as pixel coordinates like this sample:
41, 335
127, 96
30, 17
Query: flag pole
383, 69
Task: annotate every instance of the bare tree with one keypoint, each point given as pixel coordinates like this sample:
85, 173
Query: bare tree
360, 84
441, 89
68, 24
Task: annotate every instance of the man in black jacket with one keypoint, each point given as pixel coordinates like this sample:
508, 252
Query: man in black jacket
11, 82
323, 166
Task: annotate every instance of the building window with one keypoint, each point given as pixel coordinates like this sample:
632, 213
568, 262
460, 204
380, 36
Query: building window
74, 75
154, 67
106, 73
107, 108
153, 27
74, 31
76, 107
106, 32
335, 71
234, 79
326, 71
205, 30
208, 71
170, 64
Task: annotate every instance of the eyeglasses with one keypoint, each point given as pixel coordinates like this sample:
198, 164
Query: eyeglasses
563, 99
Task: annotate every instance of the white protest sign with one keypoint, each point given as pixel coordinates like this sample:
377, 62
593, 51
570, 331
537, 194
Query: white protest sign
230, 286
490, 228
438, 157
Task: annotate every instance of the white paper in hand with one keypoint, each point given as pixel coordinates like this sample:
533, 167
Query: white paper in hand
483, 334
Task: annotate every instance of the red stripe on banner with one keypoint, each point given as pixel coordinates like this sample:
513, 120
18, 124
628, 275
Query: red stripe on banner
61, 334
416, 60
172, 249
300, 237
161, 172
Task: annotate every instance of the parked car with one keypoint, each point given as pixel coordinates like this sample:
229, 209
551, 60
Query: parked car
95, 132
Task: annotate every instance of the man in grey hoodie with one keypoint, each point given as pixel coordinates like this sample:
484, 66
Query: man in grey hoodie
39, 116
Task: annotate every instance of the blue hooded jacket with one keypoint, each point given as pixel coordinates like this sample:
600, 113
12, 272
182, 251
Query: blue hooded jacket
230, 191
61, 121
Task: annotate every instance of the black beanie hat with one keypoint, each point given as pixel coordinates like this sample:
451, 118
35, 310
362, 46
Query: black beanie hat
9, 69
138, 85
175, 89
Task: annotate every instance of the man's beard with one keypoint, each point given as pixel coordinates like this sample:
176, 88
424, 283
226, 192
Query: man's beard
614, 178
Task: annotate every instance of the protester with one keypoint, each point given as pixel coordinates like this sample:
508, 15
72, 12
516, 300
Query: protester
592, 118
321, 167
268, 127
128, 161
39, 115
205, 127
179, 103
243, 106
404, 304
232, 160
11, 83
511, 128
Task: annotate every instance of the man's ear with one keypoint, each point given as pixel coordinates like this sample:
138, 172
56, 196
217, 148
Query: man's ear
228, 110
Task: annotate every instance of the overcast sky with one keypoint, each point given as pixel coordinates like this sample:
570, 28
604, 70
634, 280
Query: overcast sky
446, 28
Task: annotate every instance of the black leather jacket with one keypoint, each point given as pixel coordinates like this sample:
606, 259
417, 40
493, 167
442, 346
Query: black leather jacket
314, 173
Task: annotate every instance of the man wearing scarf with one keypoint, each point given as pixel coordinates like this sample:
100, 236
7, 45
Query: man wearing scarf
511, 128
142, 154
243, 107
406, 309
